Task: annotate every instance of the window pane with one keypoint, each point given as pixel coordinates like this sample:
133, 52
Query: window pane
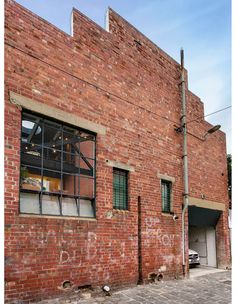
87, 147
86, 208
86, 187
70, 184
31, 154
52, 159
70, 140
69, 206
31, 130
86, 166
70, 163
51, 181
30, 178
52, 135
29, 203
50, 205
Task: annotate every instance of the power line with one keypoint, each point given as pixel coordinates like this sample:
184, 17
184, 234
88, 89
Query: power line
202, 117
108, 92
89, 83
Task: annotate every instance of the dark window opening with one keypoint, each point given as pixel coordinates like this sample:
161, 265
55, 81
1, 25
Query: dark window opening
166, 196
120, 189
57, 169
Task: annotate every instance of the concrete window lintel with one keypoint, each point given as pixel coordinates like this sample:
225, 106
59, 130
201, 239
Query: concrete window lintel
119, 165
166, 177
44, 109
202, 203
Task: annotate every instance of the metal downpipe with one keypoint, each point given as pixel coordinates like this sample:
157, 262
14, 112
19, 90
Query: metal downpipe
185, 159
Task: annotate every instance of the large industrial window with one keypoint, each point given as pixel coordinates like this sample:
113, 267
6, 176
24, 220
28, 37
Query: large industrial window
166, 196
120, 189
57, 169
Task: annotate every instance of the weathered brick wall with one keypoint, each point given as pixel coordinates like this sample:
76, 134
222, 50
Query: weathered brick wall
124, 82
208, 176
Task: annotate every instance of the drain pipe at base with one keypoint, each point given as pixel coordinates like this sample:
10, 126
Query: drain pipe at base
185, 160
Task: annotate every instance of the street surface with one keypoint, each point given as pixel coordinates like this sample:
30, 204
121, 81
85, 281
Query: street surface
214, 288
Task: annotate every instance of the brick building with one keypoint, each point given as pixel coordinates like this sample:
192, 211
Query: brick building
93, 163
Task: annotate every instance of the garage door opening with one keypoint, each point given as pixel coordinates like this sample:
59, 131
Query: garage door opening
202, 234
202, 240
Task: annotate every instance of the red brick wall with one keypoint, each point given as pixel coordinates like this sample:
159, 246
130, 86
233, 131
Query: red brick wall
208, 176
133, 90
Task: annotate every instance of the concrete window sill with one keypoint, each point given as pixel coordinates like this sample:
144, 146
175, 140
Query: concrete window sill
72, 218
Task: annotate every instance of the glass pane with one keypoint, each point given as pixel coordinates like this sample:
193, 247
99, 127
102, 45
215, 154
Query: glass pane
86, 208
30, 178
31, 149
86, 187
31, 154
51, 181
70, 184
29, 203
50, 205
69, 206
86, 166
70, 163
52, 136
31, 131
87, 147
70, 140
52, 159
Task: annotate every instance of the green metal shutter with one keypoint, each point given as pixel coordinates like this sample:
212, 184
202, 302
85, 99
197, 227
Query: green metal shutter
166, 196
120, 189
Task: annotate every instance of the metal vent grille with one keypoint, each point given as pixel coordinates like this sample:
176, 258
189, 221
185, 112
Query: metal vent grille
166, 195
120, 189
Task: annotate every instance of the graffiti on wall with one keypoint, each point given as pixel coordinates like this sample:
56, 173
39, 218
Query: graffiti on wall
158, 235
70, 251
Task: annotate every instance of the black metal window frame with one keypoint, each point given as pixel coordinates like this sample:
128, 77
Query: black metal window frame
166, 196
120, 189
91, 136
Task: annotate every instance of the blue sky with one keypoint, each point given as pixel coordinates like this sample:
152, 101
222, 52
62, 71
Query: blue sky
202, 28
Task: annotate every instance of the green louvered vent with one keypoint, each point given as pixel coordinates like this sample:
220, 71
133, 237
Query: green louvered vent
120, 189
166, 195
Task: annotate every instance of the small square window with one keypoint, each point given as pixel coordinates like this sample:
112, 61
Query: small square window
120, 189
166, 196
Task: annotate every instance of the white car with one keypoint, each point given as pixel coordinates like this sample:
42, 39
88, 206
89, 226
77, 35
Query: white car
193, 257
